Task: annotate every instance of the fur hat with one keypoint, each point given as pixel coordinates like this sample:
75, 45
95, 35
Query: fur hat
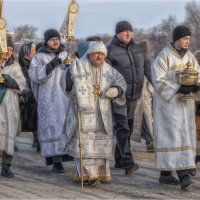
50, 33
97, 46
180, 32
123, 26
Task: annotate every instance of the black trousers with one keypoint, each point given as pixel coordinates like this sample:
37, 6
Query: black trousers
123, 128
58, 159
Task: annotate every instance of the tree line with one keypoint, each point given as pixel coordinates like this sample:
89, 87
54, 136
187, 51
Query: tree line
154, 38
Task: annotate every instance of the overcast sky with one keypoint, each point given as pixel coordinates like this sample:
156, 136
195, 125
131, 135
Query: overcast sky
94, 17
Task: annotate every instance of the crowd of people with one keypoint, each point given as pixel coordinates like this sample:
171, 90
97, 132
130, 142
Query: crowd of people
74, 111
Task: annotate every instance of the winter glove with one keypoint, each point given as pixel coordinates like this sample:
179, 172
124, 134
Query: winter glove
196, 89
10, 82
56, 61
67, 65
185, 89
112, 92
52, 64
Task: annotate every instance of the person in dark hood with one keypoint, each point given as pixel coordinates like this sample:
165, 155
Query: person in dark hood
28, 104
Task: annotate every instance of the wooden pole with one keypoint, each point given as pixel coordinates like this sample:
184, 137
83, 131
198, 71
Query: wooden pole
80, 148
1, 8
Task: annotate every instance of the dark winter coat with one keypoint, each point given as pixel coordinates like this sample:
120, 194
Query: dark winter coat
132, 62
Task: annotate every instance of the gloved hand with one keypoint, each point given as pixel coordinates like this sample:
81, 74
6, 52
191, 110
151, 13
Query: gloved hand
112, 92
56, 61
196, 89
10, 82
67, 65
185, 89
52, 64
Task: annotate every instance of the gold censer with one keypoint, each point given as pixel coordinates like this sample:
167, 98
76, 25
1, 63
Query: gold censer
188, 77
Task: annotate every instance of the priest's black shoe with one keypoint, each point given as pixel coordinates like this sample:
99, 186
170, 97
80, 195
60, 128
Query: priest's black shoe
132, 169
93, 182
170, 179
186, 183
6, 172
193, 172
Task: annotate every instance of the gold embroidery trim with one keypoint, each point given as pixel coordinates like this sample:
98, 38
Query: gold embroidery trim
175, 149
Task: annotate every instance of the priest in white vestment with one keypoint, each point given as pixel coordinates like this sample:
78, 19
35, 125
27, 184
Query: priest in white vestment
92, 84
174, 117
14, 84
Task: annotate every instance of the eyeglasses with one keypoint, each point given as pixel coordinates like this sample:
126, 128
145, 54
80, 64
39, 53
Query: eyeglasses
54, 39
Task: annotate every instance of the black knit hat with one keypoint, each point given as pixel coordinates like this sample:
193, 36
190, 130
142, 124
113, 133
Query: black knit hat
180, 32
51, 33
123, 26
10, 42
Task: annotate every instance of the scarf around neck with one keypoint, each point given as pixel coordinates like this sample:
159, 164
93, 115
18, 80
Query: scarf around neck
46, 49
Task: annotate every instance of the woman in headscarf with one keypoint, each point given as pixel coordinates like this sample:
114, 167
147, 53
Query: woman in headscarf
28, 104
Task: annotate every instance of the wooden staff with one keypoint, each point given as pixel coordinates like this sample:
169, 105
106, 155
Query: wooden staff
68, 28
80, 148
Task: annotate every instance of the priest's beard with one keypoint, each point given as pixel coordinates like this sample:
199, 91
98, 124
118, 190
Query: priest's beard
97, 63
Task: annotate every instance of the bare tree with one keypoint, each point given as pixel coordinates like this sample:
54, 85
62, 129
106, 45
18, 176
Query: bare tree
161, 34
25, 32
192, 19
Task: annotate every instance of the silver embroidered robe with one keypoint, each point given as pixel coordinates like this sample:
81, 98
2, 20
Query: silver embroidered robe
52, 103
96, 115
174, 119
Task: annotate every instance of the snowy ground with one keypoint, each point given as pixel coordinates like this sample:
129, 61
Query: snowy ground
34, 180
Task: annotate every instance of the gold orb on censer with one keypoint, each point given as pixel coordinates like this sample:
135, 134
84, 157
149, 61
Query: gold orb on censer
188, 77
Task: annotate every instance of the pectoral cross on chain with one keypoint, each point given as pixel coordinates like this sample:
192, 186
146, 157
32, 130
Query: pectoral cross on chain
97, 91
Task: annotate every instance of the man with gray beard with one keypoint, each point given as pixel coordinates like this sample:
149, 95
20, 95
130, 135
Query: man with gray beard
92, 84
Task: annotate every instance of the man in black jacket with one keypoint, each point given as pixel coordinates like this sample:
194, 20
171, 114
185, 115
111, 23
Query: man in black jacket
131, 61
